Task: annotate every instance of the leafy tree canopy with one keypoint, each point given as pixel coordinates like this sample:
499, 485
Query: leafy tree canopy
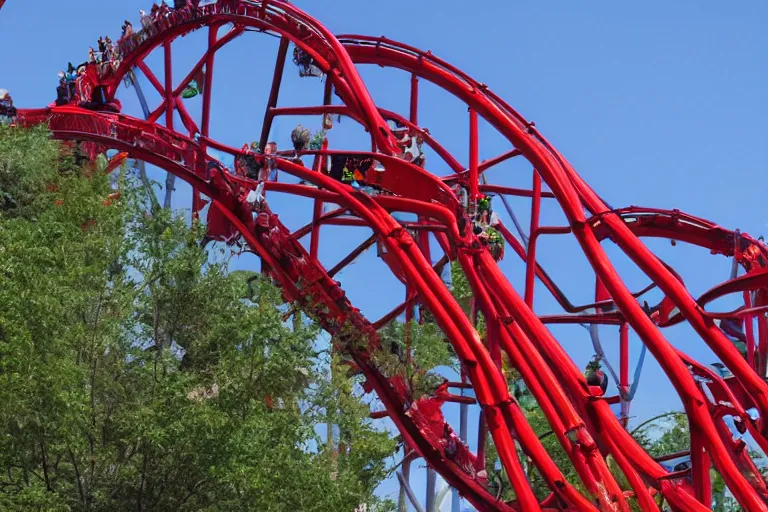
134, 373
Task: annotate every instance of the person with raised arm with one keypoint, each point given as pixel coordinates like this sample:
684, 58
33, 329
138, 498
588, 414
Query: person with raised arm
7, 110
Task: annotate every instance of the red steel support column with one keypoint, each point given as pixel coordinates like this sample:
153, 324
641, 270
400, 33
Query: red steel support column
277, 78
169, 99
213, 31
474, 175
414, 113
624, 370
413, 117
530, 268
762, 340
749, 331
482, 427
317, 209
206, 122
423, 240
700, 466
408, 320
349, 258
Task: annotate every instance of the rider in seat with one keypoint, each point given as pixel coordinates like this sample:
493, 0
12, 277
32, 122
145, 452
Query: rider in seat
62, 92
300, 137
348, 177
269, 164
127, 30
596, 377
495, 243
483, 216
7, 110
306, 64
195, 86
247, 165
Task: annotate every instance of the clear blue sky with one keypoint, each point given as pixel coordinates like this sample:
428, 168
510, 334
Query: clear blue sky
654, 103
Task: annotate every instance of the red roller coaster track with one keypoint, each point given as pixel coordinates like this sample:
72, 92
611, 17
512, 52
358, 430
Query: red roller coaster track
579, 414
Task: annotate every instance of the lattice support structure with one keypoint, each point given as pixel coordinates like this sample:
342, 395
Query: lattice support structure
447, 210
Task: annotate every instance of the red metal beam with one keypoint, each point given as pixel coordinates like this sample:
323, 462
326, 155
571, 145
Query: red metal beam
357, 251
344, 110
414, 105
168, 88
210, 55
474, 176
624, 370
530, 261
151, 77
234, 32
510, 191
487, 164
274, 92
186, 119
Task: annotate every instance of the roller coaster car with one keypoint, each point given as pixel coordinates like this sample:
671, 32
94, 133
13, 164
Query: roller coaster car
247, 166
597, 382
350, 168
100, 103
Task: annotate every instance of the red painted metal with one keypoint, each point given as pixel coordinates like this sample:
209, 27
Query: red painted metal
168, 87
413, 116
624, 369
274, 92
530, 270
213, 31
581, 419
474, 175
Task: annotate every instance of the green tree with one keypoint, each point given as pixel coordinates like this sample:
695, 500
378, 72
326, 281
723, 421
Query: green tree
134, 375
663, 434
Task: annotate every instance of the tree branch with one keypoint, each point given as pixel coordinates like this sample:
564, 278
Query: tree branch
44, 455
77, 475
191, 493
139, 499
